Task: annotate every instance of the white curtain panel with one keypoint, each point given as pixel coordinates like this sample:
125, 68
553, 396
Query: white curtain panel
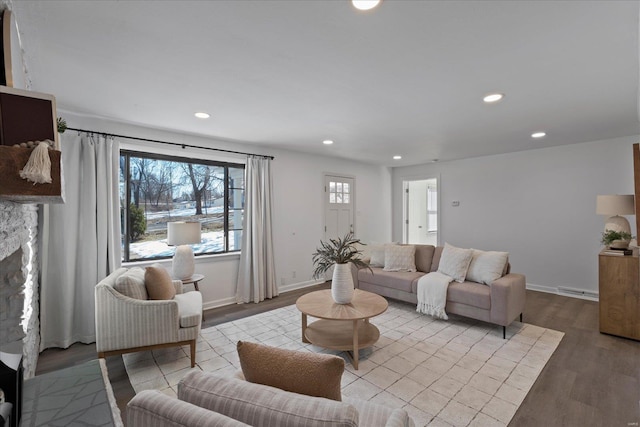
80, 239
256, 274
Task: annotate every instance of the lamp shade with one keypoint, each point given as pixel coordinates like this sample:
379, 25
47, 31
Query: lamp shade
183, 233
615, 204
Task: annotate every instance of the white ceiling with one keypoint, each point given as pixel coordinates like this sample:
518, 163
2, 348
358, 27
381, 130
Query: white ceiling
406, 78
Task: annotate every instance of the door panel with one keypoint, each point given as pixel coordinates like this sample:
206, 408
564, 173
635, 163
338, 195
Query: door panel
339, 197
421, 212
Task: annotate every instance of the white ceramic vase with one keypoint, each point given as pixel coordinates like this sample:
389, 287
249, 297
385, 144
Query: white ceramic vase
183, 264
342, 284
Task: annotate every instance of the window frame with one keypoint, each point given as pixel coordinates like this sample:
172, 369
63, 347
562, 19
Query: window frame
129, 153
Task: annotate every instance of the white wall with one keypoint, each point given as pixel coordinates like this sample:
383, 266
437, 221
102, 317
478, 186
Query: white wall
298, 209
540, 205
299, 220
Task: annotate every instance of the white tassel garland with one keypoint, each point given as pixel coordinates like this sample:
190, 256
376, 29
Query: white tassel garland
38, 167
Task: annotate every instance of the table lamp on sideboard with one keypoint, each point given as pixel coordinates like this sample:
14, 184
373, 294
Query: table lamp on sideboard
182, 234
616, 205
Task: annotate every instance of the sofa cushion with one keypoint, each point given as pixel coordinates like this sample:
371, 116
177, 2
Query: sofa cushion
373, 414
470, 293
487, 266
158, 283
437, 254
424, 256
400, 280
301, 372
454, 262
376, 252
153, 408
261, 405
189, 308
400, 258
131, 284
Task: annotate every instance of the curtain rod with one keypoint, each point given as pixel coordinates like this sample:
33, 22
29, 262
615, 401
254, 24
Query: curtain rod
178, 144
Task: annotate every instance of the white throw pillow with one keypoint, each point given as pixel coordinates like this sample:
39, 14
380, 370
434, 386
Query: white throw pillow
377, 255
454, 262
487, 266
399, 258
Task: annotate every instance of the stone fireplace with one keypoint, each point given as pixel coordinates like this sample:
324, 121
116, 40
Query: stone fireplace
19, 286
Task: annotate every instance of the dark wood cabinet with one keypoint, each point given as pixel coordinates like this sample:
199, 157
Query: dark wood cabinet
619, 289
27, 116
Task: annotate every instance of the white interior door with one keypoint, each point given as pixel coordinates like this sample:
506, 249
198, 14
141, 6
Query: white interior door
421, 212
417, 220
339, 198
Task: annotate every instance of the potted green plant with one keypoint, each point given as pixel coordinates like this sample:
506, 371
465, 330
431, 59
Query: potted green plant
61, 124
616, 239
339, 253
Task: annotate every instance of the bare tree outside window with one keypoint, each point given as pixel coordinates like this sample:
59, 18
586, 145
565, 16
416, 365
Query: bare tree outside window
158, 189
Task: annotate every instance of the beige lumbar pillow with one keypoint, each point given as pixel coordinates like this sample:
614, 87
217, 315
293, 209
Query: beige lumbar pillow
158, 283
301, 372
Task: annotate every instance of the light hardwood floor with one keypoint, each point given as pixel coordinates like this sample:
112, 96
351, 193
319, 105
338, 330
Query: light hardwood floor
592, 379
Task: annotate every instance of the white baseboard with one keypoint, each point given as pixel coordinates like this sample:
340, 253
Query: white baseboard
218, 303
283, 289
565, 291
299, 285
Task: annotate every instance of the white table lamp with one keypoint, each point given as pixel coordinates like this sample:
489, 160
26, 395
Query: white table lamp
616, 205
183, 234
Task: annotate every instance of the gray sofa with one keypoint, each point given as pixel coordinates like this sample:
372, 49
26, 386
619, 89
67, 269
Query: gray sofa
500, 303
205, 399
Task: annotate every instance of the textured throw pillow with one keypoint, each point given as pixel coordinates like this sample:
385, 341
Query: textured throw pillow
487, 266
131, 284
399, 258
377, 255
158, 283
454, 262
301, 372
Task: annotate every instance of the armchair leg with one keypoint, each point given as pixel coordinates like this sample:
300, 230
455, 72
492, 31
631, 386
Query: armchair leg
520, 317
504, 332
192, 344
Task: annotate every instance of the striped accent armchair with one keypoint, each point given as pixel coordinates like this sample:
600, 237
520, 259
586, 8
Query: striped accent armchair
127, 325
206, 399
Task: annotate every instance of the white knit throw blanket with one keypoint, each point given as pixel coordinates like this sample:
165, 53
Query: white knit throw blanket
432, 294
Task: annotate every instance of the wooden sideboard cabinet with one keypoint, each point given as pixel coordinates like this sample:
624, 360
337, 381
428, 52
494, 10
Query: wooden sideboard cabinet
619, 289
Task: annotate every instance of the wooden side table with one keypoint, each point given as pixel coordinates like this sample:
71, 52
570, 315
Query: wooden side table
194, 279
620, 294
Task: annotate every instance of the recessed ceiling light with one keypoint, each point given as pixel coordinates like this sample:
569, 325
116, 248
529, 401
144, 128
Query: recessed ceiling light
397, 157
201, 115
538, 135
365, 4
493, 97
327, 142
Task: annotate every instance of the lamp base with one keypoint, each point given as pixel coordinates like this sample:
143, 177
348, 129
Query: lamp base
183, 264
617, 223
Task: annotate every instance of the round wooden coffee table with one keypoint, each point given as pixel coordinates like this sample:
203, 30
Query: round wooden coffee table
333, 329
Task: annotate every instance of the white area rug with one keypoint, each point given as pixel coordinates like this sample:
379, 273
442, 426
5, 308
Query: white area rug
457, 372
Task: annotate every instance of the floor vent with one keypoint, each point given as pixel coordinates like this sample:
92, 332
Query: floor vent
571, 292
